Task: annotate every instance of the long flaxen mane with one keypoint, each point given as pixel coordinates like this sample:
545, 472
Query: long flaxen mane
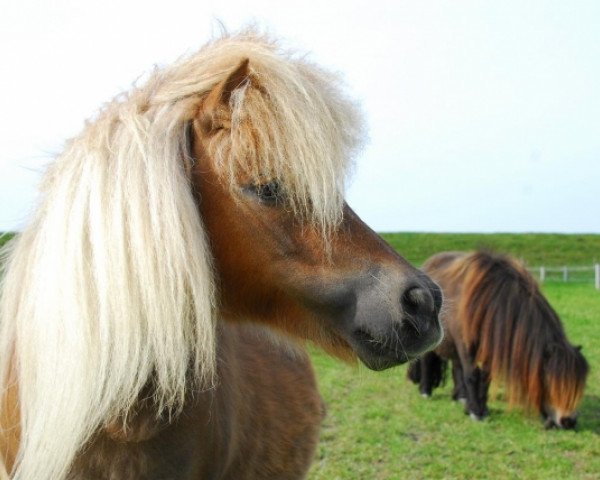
511, 329
111, 285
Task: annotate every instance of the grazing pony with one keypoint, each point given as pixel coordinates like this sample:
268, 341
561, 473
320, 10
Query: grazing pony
183, 240
499, 326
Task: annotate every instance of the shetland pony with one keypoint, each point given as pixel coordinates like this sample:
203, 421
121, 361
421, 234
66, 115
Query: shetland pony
184, 239
499, 326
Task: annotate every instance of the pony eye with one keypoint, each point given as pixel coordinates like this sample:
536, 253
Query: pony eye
270, 193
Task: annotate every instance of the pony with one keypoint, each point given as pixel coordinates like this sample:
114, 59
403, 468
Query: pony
500, 327
186, 245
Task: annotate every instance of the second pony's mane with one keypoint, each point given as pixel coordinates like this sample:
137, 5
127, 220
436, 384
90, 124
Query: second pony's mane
111, 285
512, 330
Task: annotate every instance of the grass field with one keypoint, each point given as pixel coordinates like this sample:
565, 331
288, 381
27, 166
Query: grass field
379, 427
551, 249
5, 237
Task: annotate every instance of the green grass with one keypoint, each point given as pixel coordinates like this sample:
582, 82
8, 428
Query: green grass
379, 427
5, 237
534, 248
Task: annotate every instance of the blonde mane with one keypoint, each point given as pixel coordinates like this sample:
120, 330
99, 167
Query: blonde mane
111, 285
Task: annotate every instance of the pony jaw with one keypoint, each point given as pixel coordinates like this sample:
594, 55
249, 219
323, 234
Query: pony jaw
383, 329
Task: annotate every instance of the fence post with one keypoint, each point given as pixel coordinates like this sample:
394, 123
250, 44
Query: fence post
597, 276
542, 274
565, 274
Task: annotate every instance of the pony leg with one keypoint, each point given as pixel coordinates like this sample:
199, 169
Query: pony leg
414, 371
473, 377
431, 373
476, 381
425, 385
459, 392
482, 391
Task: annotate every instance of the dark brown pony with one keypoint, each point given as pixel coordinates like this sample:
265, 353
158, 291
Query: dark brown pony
187, 244
499, 326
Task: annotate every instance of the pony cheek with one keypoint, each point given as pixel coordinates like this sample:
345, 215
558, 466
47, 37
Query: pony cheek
369, 313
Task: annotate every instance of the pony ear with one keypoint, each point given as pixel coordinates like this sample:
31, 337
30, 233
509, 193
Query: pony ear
215, 113
234, 81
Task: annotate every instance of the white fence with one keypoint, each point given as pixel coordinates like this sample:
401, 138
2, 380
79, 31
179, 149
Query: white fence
569, 274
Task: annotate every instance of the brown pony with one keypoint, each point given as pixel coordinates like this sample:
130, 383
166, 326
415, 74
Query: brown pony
187, 243
499, 326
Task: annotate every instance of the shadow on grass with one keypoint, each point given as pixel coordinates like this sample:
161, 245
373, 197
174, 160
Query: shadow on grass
589, 414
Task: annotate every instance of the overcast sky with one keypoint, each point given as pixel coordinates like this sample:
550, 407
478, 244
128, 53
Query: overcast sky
483, 116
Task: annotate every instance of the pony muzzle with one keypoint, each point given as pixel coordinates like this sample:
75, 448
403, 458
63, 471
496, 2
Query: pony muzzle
554, 420
392, 329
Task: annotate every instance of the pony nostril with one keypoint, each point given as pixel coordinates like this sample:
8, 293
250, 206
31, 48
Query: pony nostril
417, 300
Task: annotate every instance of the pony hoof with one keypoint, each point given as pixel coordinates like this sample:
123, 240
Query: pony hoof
476, 418
426, 395
462, 400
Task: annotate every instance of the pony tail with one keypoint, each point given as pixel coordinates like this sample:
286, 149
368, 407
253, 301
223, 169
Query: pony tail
110, 289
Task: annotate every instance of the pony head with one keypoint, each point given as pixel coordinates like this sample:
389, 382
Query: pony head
213, 192
272, 142
564, 374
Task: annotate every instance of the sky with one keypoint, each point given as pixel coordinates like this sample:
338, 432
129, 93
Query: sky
482, 116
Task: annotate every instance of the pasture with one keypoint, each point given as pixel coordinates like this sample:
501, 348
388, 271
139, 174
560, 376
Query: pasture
535, 249
379, 427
